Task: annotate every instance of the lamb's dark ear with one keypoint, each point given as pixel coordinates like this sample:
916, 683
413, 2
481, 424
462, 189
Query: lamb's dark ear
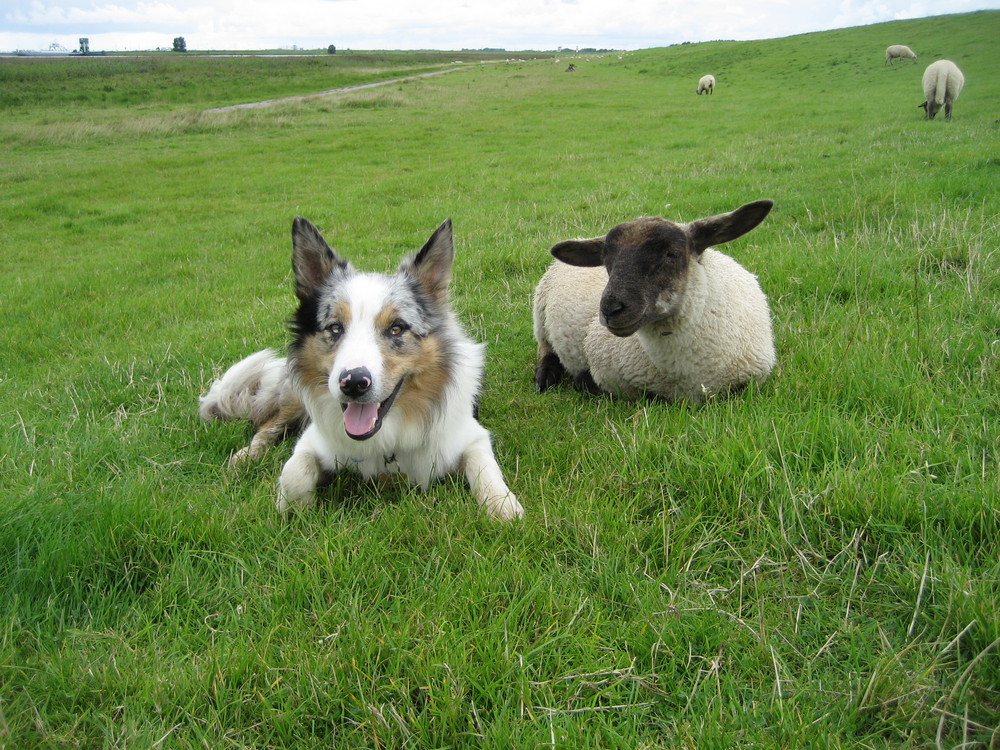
312, 258
580, 252
715, 230
432, 265
922, 106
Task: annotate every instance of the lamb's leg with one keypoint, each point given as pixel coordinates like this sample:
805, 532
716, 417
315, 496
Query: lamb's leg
549, 370
584, 381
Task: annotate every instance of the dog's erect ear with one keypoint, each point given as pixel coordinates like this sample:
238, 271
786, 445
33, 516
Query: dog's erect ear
432, 265
580, 252
312, 258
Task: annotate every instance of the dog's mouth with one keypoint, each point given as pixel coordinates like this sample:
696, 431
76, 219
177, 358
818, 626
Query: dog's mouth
362, 421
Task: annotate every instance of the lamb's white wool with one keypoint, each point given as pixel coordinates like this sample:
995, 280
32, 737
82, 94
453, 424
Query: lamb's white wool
942, 82
706, 85
894, 51
673, 318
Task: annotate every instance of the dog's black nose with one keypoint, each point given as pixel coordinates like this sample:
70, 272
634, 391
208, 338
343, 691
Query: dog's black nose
355, 383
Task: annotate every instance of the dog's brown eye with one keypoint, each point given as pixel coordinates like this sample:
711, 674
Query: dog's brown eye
397, 329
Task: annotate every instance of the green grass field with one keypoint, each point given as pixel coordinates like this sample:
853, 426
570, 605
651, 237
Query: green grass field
811, 564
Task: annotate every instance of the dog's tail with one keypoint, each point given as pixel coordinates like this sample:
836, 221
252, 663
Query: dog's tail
254, 388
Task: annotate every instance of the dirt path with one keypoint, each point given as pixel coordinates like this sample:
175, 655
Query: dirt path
301, 97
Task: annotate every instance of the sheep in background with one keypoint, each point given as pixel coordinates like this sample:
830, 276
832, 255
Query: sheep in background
651, 309
894, 51
943, 82
706, 85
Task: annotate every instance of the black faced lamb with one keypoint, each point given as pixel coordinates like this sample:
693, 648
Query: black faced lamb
651, 309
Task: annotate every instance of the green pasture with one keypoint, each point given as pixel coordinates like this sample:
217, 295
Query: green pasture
814, 563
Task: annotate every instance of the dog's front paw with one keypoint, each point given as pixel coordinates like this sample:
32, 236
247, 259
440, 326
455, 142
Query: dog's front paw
286, 502
297, 484
504, 508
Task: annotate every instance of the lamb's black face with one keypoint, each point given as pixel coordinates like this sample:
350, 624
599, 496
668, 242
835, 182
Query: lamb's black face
647, 262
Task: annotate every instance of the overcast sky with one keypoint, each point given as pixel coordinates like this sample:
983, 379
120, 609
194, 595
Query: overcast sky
117, 25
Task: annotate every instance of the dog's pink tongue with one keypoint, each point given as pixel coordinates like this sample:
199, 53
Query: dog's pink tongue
360, 418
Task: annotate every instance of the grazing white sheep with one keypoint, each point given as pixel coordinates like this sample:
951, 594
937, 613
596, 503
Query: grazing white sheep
943, 82
706, 85
651, 309
894, 51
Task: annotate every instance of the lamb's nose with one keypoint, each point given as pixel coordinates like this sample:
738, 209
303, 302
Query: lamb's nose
611, 306
355, 383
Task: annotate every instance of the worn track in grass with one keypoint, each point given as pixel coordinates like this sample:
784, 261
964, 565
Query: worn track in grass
341, 90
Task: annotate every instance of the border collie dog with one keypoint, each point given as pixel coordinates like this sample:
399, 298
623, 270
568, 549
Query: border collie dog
380, 378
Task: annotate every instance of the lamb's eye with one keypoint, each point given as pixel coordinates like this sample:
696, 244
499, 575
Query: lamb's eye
397, 329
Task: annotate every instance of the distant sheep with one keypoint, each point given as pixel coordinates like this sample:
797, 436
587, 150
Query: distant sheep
943, 82
651, 309
706, 85
894, 51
